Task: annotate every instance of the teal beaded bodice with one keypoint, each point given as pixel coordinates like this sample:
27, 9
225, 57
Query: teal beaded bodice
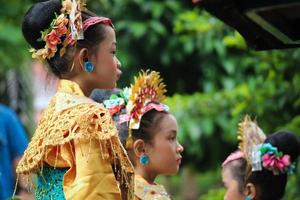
50, 184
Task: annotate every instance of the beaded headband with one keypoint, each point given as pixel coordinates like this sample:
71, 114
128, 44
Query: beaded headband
96, 20
232, 157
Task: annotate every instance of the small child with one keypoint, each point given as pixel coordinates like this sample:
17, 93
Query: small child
260, 170
150, 133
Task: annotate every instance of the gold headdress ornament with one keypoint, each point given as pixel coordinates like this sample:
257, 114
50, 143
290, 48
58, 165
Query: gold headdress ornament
148, 87
250, 138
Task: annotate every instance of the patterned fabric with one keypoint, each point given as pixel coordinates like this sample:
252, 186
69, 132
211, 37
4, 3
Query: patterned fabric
50, 184
145, 191
78, 133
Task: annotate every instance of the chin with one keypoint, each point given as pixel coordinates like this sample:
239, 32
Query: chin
172, 173
112, 86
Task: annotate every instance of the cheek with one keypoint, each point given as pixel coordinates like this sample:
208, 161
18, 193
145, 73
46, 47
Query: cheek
165, 157
229, 194
106, 63
166, 149
110, 62
233, 193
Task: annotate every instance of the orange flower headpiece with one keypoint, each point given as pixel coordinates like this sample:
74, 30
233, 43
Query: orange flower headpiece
65, 29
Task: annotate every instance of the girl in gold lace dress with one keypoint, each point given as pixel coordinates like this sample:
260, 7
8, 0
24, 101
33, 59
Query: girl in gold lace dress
149, 131
75, 150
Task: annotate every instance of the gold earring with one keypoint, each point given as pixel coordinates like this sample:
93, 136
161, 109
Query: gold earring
72, 67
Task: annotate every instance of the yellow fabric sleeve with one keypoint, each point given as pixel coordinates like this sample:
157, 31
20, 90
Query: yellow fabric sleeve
91, 177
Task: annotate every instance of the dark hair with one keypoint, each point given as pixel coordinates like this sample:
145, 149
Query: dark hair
150, 122
238, 170
39, 17
272, 186
100, 95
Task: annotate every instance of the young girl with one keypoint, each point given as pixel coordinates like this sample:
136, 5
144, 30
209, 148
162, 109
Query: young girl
261, 169
150, 133
75, 150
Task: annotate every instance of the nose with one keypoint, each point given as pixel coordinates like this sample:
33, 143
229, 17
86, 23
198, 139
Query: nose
179, 147
119, 64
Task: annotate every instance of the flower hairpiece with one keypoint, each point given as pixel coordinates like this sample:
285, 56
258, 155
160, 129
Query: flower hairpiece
261, 155
52, 37
68, 21
275, 160
116, 102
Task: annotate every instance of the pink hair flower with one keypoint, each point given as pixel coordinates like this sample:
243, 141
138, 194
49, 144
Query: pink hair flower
275, 163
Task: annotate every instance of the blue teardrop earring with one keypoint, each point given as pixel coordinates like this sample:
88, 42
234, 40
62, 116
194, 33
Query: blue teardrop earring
88, 66
144, 159
248, 198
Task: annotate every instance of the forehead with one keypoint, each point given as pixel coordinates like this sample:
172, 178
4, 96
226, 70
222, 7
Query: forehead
168, 119
168, 123
110, 39
110, 34
226, 173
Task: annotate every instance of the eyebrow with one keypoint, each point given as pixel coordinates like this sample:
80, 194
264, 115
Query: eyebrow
114, 43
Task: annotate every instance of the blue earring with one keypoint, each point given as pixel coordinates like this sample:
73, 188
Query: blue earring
88, 66
248, 198
144, 159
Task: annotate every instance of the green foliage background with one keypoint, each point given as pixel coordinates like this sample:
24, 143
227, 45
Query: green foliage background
213, 79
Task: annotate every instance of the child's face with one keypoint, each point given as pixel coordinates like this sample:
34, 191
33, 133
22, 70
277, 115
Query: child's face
106, 64
231, 185
164, 153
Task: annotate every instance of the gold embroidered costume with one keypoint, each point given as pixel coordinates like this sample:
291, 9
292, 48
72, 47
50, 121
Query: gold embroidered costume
78, 134
145, 191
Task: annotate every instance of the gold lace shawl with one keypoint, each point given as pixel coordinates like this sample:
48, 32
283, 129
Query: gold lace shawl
145, 191
79, 133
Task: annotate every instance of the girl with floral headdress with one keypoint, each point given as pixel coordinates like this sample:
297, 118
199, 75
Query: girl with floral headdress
75, 150
149, 132
259, 170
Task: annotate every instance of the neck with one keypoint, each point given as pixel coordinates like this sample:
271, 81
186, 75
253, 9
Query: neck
148, 176
83, 86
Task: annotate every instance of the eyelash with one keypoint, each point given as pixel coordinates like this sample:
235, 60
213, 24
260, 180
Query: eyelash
114, 52
173, 138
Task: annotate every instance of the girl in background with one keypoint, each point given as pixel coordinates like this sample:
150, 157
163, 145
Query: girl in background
260, 170
149, 132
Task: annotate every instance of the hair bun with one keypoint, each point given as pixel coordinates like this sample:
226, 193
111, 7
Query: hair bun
37, 19
286, 142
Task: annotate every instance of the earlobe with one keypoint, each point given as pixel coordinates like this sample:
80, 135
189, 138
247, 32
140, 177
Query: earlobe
82, 57
138, 147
